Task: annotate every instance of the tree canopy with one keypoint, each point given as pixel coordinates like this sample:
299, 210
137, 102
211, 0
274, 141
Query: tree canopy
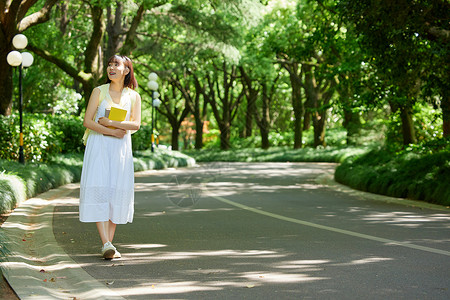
244, 66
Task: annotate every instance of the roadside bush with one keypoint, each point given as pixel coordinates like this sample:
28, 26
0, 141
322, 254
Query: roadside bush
420, 172
69, 131
427, 124
11, 191
38, 178
7, 142
44, 136
141, 140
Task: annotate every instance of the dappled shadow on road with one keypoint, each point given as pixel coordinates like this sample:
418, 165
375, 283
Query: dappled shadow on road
185, 190
208, 249
230, 273
405, 219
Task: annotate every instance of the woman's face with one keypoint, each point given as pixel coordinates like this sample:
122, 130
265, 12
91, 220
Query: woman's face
116, 70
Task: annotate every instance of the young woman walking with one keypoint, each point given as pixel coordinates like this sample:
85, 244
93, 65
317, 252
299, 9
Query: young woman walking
107, 178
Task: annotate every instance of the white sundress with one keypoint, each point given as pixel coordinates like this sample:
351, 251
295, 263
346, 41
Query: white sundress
107, 177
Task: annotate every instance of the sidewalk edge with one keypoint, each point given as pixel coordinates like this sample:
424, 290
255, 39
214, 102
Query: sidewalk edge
37, 267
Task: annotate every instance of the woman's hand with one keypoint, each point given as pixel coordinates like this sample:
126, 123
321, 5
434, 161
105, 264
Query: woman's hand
119, 133
104, 121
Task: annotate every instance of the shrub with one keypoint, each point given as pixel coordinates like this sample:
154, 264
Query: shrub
44, 136
141, 140
420, 172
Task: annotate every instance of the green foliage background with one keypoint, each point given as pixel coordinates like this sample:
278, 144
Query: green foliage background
378, 60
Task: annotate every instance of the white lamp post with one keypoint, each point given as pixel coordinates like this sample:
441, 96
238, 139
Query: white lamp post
156, 103
153, 85
21, 60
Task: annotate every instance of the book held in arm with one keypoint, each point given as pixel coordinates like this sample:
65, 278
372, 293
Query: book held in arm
116, 114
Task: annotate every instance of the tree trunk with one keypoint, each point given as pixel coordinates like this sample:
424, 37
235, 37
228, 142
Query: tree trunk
199, 114
307, 118
229, 103
318, 94
92, 58
252, 95
114, 29
265, 142
264, 123
13, 21
408, 131
319, 122
6, 92
296, 98
199, 133
249, 113
352, 123
445, 105
298, 109
175, 136
130, 40
225, 136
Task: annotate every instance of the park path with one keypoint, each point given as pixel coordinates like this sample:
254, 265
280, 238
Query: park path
264, 231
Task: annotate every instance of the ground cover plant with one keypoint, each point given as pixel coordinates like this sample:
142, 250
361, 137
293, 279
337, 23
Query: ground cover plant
419, 172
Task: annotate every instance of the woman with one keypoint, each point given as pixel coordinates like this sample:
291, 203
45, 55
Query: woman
107, 178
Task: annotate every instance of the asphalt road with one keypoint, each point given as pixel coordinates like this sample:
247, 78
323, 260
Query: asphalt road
264, 231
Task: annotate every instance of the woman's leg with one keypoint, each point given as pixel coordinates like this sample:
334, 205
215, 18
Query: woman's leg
106, 230
103, 230
112, 230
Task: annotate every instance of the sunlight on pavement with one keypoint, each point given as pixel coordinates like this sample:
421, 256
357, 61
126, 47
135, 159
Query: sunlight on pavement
166, 288
275, 277
363, 261
143, 246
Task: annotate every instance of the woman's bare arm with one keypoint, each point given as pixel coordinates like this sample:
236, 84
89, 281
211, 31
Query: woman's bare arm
89, 116
135, 118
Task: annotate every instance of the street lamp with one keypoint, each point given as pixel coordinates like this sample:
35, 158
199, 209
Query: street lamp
156, 103
153, 85
21, 60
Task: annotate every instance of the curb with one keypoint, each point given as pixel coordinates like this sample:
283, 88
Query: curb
37, 267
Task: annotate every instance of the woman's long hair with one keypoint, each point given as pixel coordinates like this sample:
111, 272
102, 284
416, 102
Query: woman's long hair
130, 81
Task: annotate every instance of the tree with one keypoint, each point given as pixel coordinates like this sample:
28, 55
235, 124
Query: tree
88, 71
224, 99
185, 39
191, 92
299, 40
14, 20
175, 110
408, 42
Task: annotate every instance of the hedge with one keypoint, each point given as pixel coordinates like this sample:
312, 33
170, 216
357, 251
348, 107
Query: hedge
409, 174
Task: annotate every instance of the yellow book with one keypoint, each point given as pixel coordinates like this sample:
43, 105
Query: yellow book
116, 114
